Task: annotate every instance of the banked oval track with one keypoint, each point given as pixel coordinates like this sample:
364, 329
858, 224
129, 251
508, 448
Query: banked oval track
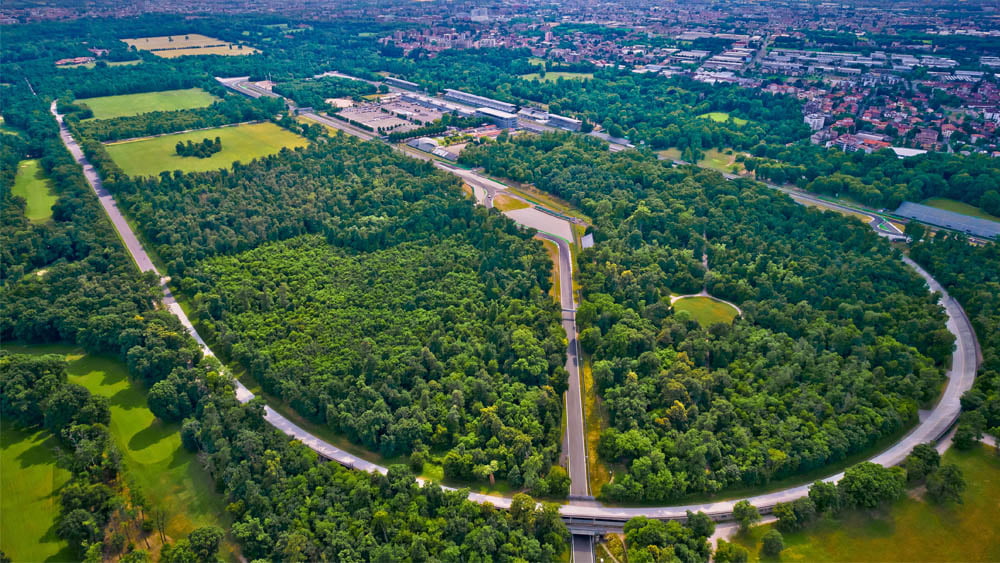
932, 428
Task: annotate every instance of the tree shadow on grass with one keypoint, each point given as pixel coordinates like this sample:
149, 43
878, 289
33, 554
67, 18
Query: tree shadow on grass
153, 434
42, 453
128, 399
67, 553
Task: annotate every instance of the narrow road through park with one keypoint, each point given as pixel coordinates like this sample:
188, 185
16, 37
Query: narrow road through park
587, 516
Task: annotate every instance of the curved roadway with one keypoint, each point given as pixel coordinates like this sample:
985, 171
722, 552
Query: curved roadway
584, 515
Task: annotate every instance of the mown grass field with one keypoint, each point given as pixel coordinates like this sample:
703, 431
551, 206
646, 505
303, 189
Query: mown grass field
506, 203
720, 161
29, 496
959, 207
721, 117
32, 185
553, 76
705, 310
106, 107
911, 529
173, 42
169, 476
149, 157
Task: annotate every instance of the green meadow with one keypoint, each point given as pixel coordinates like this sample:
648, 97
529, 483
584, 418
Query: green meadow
149, 157
106, 107
32, 185
29, 496
911, 529
705, 310
722, 117
169, 476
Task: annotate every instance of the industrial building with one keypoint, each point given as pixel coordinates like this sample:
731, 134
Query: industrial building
478, 101
438, 104
503, 119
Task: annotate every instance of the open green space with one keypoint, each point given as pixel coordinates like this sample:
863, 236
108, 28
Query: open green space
168, 475
959, 207
553, 76
106, 107
705, 310
32, 185
29, 496
149, 157
720, 160
672, 153
110, 63
722, 117
911, 529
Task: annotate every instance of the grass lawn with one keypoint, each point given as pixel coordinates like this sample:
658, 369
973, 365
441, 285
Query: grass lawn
722, 117
705, 310
107, 107
553, 251
7, 129
959, 207
29, 502
859, 216
553, 76
149, 157
911, 529
169, 476
31, 184
173, 42
595, 420
506, 203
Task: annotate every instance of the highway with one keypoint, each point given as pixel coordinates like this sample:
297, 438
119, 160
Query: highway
585, 516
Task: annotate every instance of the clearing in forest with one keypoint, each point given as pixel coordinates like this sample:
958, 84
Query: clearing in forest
706, 310
722, 117
32, 185
505, 202
107, 107
149, 157
959, 207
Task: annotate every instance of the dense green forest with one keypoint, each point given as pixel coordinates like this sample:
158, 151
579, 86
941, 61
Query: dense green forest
459, 351
314, 92
972, 275
838, 346
285, 503
882, 179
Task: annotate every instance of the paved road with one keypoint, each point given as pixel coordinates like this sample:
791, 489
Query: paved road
934, 426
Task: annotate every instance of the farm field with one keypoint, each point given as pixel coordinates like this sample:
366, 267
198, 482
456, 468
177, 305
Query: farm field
169, 476
107, 107
958, 207
29, 503
31, 184
110, 63
705, 310
911, 529
721, 117
227, 50
148, 157
553, 76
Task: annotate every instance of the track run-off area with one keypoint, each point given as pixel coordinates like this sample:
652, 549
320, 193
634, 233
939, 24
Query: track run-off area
583, 515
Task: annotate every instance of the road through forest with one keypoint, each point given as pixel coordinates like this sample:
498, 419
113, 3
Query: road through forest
581, 515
